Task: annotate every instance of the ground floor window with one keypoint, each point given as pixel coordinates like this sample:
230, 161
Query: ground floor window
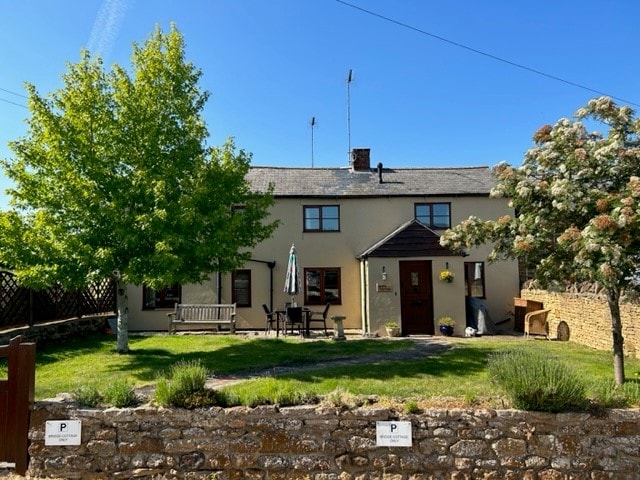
165, 297
241, 295
474, 279
322, 286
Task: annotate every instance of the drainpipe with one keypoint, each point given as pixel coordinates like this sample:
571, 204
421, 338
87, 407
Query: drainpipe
219, 294
271, 264
365, 292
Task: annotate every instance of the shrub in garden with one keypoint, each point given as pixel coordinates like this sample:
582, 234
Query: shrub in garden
184, 380
120, 394
87, 395
534, 381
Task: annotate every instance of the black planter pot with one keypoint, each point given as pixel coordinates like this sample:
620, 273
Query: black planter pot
446, 330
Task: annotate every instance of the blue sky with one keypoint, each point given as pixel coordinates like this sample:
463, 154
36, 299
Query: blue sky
416, 100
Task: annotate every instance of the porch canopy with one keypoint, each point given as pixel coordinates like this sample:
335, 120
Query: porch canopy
412, 239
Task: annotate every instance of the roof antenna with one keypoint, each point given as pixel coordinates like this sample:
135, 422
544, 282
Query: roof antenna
313, 124
349, 78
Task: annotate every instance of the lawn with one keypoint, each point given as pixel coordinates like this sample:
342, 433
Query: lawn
62, 368
457, 376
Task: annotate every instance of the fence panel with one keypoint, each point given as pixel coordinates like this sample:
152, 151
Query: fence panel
22, 306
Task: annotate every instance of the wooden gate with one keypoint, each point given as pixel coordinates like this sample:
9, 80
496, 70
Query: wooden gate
16, 402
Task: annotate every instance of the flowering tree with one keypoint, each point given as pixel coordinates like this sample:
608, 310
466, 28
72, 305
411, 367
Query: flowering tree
577, 198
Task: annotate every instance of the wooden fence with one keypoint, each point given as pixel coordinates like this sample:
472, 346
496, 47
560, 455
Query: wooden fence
23, 306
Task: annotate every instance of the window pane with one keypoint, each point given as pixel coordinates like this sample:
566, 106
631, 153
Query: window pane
423, 214
172, 294
242, 288
330, 212
149, 298
311, 218
331, 225
312, 285
331, 286
312, 224
474, 278
440, 215
162, 298
440, 209
331, 218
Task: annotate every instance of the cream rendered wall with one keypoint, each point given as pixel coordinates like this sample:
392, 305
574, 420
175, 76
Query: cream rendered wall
363, 222
448, 298
501, 278
157, 320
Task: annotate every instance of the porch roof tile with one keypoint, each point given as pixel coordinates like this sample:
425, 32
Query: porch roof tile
411, 239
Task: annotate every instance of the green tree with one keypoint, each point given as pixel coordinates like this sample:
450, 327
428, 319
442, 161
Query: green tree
114, 178
577, 198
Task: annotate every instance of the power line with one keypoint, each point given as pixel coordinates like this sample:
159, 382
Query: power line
12, 103
480, 52
13, 93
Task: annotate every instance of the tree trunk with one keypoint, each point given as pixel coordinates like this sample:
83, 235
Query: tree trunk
123, 315
613, 298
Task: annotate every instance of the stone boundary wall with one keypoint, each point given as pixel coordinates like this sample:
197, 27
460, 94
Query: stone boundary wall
588, 318
57, 331
326, 443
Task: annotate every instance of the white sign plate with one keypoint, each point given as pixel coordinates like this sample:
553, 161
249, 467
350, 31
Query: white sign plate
393, 434
62, 432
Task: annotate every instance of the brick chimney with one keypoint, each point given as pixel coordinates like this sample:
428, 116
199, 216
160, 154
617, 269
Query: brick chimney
360, 159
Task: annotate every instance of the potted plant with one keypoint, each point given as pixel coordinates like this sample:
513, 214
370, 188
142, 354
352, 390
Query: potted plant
446, 325
393, 329
447, 276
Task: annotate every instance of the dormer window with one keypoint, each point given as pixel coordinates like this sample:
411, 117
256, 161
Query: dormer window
434, 215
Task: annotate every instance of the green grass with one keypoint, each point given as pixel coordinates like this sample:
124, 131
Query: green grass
460, 373
63, 368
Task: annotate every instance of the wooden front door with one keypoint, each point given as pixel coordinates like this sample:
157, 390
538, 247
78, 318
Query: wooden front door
416, 297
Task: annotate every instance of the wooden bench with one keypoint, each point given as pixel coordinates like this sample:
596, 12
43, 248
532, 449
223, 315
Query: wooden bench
203, 315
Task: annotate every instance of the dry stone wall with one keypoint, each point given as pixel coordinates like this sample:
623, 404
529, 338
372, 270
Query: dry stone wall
320, 443
57, 331
587, 316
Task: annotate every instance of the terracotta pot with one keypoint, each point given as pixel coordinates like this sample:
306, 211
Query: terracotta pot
393, 331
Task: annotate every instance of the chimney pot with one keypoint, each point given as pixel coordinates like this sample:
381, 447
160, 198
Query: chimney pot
379, 172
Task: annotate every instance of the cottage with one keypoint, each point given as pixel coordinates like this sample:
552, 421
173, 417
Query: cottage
367, 242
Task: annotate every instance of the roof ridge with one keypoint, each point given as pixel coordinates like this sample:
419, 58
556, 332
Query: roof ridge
373, 169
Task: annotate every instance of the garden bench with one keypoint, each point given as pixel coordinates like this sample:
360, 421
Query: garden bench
203, 315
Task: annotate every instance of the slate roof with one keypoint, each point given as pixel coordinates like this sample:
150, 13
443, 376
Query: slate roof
344, 182
413, 239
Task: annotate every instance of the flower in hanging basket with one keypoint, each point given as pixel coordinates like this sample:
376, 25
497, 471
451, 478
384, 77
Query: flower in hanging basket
447, 276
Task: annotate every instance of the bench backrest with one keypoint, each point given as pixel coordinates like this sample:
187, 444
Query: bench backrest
204, 312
